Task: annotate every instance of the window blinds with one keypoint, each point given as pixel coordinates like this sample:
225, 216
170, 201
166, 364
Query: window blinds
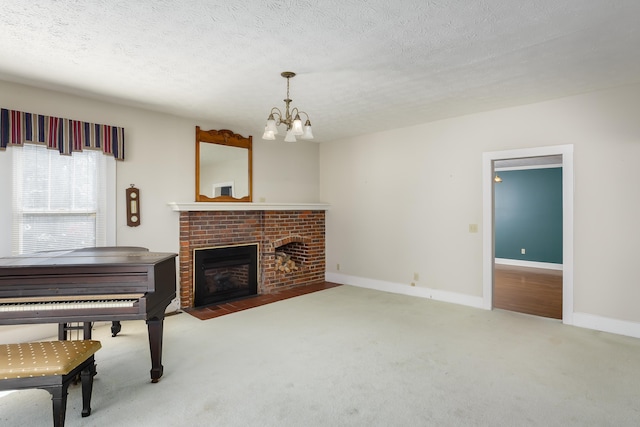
59, 202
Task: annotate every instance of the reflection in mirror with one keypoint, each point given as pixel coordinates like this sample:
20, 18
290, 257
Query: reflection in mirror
223, 166
223, 171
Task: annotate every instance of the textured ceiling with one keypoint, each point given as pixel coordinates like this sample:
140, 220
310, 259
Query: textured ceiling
362, 66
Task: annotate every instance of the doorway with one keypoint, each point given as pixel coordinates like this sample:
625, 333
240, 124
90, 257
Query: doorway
527, 274
563, 152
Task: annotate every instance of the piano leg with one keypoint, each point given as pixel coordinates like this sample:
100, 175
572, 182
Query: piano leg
62, 331
154, 326
115, 328
86, 330
64, 328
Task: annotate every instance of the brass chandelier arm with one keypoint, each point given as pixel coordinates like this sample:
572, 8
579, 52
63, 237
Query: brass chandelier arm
308, 122
275, 111
287, 120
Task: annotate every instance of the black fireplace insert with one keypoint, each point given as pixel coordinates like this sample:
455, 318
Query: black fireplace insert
225, 273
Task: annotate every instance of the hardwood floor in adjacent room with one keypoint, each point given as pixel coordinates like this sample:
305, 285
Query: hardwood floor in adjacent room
528, 290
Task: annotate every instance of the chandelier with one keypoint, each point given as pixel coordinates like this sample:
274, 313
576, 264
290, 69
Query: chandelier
291, 119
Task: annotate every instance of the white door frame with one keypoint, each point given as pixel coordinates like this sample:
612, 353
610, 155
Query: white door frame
488, 247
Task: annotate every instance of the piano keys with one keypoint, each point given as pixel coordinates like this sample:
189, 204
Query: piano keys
89, 285
60, 303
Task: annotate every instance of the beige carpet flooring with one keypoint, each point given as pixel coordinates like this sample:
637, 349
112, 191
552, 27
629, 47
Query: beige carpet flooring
349, 356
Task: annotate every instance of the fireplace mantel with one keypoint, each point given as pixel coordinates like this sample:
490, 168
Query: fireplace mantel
215, 206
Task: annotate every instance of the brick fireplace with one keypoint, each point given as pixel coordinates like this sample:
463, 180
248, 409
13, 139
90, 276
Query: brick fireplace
299, 234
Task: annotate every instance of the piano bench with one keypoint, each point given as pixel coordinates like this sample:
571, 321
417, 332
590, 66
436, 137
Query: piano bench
52, 366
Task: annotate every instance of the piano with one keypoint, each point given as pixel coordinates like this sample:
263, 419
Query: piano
89, 285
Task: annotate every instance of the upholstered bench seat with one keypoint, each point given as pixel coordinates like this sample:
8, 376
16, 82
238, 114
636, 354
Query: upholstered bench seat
50, 365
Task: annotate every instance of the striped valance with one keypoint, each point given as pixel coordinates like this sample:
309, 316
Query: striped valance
65, 135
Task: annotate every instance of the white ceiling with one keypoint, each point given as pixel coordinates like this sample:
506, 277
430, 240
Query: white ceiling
362, 66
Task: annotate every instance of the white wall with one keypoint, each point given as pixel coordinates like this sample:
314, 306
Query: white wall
285, 172
160, 161
402, 201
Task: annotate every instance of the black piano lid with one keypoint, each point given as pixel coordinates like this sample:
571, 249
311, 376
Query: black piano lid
109, 255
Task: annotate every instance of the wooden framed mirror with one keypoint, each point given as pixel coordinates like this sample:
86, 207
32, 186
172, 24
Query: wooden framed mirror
223, 166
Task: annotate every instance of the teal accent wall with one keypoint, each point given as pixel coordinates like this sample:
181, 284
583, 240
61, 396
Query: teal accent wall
528, 214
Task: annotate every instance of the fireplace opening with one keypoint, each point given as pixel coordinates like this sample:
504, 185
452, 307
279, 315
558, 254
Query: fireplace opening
225, 274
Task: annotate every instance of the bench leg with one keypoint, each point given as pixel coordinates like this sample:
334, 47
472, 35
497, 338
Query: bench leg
59, 400
87, 375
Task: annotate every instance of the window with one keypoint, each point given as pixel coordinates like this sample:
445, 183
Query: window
59, 201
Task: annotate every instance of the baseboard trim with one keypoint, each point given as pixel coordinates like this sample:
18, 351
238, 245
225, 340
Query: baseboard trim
399, 288
532, 264
607, 324
581, 320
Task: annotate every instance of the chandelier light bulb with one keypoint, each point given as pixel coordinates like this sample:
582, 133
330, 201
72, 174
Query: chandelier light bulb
307, 131
271, 125
297, 126
290, 137
268, 134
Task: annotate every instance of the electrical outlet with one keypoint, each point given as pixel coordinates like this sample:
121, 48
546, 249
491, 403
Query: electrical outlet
473, 228
338, 267
523, 251
416, 276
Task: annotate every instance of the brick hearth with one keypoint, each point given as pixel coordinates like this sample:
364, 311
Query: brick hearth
300, 233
